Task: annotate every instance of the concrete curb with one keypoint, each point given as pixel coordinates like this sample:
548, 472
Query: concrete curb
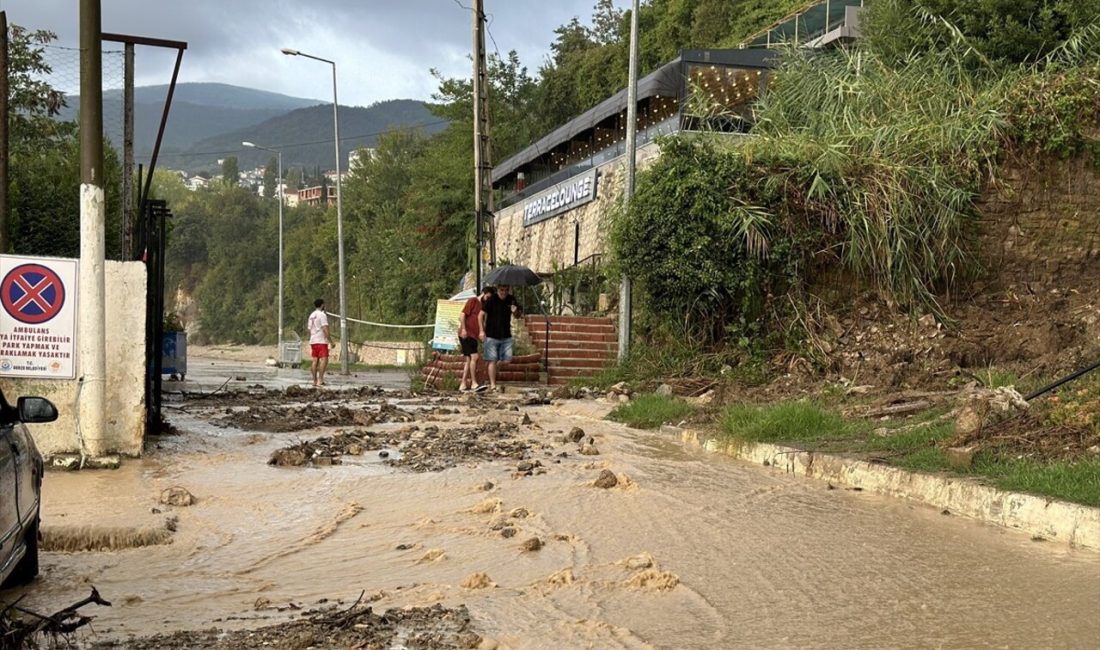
1069, 523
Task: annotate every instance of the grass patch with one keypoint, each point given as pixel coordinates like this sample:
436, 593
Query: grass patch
1076, 481
915, 444
784, 422
649, 411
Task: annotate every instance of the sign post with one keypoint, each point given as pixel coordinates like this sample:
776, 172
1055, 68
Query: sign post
38, 319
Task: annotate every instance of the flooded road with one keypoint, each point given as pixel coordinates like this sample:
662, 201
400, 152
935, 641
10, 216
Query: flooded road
687, 550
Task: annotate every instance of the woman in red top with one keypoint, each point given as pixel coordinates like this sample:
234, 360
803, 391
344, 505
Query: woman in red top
469, 329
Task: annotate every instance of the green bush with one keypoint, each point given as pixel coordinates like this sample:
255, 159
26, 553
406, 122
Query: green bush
649, 411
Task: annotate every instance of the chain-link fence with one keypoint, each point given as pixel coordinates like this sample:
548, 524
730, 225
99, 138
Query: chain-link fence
44, 194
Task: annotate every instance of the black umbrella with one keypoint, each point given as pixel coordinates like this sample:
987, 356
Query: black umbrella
512, 275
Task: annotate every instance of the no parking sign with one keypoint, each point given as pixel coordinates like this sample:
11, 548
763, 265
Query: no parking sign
38, 317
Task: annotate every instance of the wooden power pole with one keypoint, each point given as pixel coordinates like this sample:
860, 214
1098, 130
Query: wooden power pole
483, 181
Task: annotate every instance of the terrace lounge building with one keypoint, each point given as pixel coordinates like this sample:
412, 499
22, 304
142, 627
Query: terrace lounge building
554, 197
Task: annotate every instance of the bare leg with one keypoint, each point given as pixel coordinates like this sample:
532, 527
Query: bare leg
465, 373
321, 371
313, 370
492, 374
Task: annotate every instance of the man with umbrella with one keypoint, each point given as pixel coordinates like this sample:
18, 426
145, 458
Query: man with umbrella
497, 313
496, 329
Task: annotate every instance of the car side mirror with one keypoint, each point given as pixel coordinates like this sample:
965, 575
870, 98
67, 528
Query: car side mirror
36, 410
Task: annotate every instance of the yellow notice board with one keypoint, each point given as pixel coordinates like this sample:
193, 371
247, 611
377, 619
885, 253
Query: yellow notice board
448, 313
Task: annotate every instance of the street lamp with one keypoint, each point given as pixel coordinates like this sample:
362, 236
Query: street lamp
279, 193
339, 211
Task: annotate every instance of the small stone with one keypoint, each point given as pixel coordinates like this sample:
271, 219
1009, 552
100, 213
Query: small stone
576, 434
664, 390
403, 547
526, 419
486, 486
355, 450
531, 545
590, 450
525, 466
960, 457
624, 398
177, 496
508, 532
606, 480
519, 513
383, 454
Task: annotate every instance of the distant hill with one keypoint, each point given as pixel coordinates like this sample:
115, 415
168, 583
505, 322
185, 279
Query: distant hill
216, 118
199, 110
305, 136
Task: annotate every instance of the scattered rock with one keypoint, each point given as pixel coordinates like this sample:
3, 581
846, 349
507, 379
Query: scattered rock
519, 513
961, 457
486, 486
526, 419
576, 434
654, 580
525, 466
664, 390
641, 561
624, 398
176, 496
606, 480
984, 407
477, 581
531, 545
590, 450
508, 532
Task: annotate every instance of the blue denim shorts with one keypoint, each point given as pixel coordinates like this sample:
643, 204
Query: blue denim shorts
498, 349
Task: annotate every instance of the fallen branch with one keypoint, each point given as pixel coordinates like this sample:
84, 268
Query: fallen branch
14, 634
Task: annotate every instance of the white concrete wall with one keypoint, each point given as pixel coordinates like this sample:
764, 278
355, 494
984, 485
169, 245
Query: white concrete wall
547, 244
125, 372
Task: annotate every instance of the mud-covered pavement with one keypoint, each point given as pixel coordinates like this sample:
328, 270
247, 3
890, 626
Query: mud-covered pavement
523, 526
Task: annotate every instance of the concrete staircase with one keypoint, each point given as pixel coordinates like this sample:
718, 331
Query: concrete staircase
579, 346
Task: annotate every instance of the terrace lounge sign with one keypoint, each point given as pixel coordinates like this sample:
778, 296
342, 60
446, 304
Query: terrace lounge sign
563, 197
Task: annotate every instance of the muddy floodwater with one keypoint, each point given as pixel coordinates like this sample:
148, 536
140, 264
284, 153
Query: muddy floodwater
686, 550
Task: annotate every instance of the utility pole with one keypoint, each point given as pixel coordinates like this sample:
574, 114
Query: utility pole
483, 183
128, 149
5, 237
625, 292
91, 326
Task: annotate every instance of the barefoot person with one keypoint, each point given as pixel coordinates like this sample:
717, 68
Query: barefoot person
469, 331
320, 342
496, 329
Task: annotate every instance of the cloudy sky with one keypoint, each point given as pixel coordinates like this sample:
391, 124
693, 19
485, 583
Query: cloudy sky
383, 48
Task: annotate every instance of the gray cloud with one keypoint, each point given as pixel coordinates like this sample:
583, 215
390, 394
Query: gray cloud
383, 49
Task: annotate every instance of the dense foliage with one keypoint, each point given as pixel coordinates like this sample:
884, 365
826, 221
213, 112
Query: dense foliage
44, 191
860, 160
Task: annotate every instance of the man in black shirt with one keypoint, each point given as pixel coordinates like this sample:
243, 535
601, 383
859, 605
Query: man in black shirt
496, 329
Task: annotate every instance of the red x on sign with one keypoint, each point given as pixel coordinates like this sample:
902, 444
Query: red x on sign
32, 293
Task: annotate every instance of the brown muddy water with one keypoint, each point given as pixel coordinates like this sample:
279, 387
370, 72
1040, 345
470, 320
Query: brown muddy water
688, 550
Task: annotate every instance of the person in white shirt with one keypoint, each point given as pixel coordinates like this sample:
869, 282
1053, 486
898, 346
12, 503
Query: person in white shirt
319, 342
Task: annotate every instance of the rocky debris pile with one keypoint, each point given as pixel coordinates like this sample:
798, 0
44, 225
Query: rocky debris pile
425, 628
433, 449
420, 449
258, 395
287, 419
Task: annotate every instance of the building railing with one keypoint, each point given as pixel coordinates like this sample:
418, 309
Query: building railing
666, 127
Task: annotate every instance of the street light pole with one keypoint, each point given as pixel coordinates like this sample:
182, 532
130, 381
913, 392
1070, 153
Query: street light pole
339, 211
279, 195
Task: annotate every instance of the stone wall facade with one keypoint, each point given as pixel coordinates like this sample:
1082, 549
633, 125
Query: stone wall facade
1042, 221
550, 244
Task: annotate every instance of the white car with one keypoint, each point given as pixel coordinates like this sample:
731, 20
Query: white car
20, 488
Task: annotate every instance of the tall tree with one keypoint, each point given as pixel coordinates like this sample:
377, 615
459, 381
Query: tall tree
270, 177
231, 172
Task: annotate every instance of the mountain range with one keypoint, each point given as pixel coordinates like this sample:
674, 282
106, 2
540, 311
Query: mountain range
208, 121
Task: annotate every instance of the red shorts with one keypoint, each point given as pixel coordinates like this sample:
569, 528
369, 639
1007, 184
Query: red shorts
319, 350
